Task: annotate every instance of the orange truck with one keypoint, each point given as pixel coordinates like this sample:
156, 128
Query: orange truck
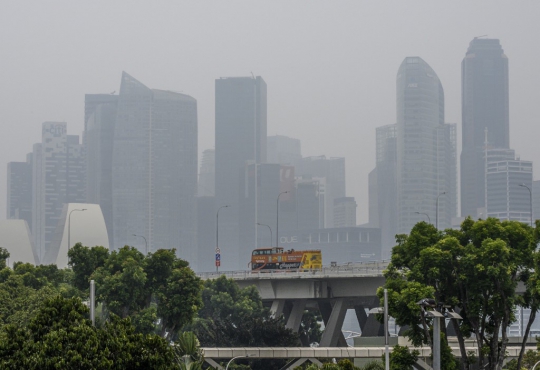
277, 258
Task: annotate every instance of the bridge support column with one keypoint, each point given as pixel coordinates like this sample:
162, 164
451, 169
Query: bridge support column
295, 317
325, 307
277, 308
332, 332
300, 361
213, 363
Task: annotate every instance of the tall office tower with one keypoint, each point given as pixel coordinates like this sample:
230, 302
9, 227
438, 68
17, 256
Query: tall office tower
265, 189
536, 199
240, 138
100, 119
383, 194
484, 102
344, 212
309, 204
58, 177
206, 233
154, 169
373, 199
283, 150
19, 190
426, 149
333, 169
207, 174
505, 198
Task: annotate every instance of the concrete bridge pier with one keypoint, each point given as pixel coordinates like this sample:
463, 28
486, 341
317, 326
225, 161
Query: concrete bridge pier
295, 317
333, 324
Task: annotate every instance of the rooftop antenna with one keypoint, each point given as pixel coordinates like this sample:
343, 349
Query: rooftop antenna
252, 75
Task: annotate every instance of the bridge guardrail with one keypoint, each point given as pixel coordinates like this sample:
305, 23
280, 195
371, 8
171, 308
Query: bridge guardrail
329, 271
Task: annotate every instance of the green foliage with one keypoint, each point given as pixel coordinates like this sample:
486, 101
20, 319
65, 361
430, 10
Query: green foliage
158, 286
61, 336
4, 255
188, 352
484, 259
530, 358
84, 261
234, 317
374, 365
310, 327
402, 359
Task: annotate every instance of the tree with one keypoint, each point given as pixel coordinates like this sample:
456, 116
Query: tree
84, 261
61, 336
473, 270
234, 317
188, 352
402, 359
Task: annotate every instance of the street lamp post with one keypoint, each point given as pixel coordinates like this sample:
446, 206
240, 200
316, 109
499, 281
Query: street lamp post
534, 367
530, 200
277, 217
269, 228
422, 213
234, 358
437, 210
385, 310
217, 236
69, 224
145, 242
436, 316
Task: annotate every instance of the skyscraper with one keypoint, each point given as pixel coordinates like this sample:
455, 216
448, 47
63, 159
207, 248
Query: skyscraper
283, 150
207, 174
426, 159
344, 212
383, 187
19, 190
154, 169
98, 139
505, 198
58, 178
333, 169
484, 95
240, 135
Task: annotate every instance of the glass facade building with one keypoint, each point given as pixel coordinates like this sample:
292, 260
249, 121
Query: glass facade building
484, 96
240, 135
154, 169
425, 148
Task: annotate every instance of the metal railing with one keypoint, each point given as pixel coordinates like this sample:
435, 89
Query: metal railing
368, 269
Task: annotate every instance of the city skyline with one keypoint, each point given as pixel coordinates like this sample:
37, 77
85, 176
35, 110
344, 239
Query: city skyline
318, 62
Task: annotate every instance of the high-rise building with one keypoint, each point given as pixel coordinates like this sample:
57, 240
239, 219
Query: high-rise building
207, 178
19, 190
536, 199
263, 185
505, 198
206, 233
333, 169
344, 212
283, 150
309, 203
426, 149
154, 169
58, 177
240, 135
484, 96
383, 187
98, 139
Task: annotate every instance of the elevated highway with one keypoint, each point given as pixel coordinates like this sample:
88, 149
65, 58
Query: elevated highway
332, 289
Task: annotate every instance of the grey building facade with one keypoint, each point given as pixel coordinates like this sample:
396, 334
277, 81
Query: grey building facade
98, 139
240, 138
154, 169
505, 198
19, 190
58, 177
485, 105
344, 212
283, 150
207, 177
333, 170
426, 148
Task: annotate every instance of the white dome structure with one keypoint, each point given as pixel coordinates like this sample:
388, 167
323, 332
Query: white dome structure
15, 237
79, 223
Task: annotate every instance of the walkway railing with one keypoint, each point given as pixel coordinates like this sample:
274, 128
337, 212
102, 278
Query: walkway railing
367, 269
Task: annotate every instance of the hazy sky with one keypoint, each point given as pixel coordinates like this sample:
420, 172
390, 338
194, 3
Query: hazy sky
330, 66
